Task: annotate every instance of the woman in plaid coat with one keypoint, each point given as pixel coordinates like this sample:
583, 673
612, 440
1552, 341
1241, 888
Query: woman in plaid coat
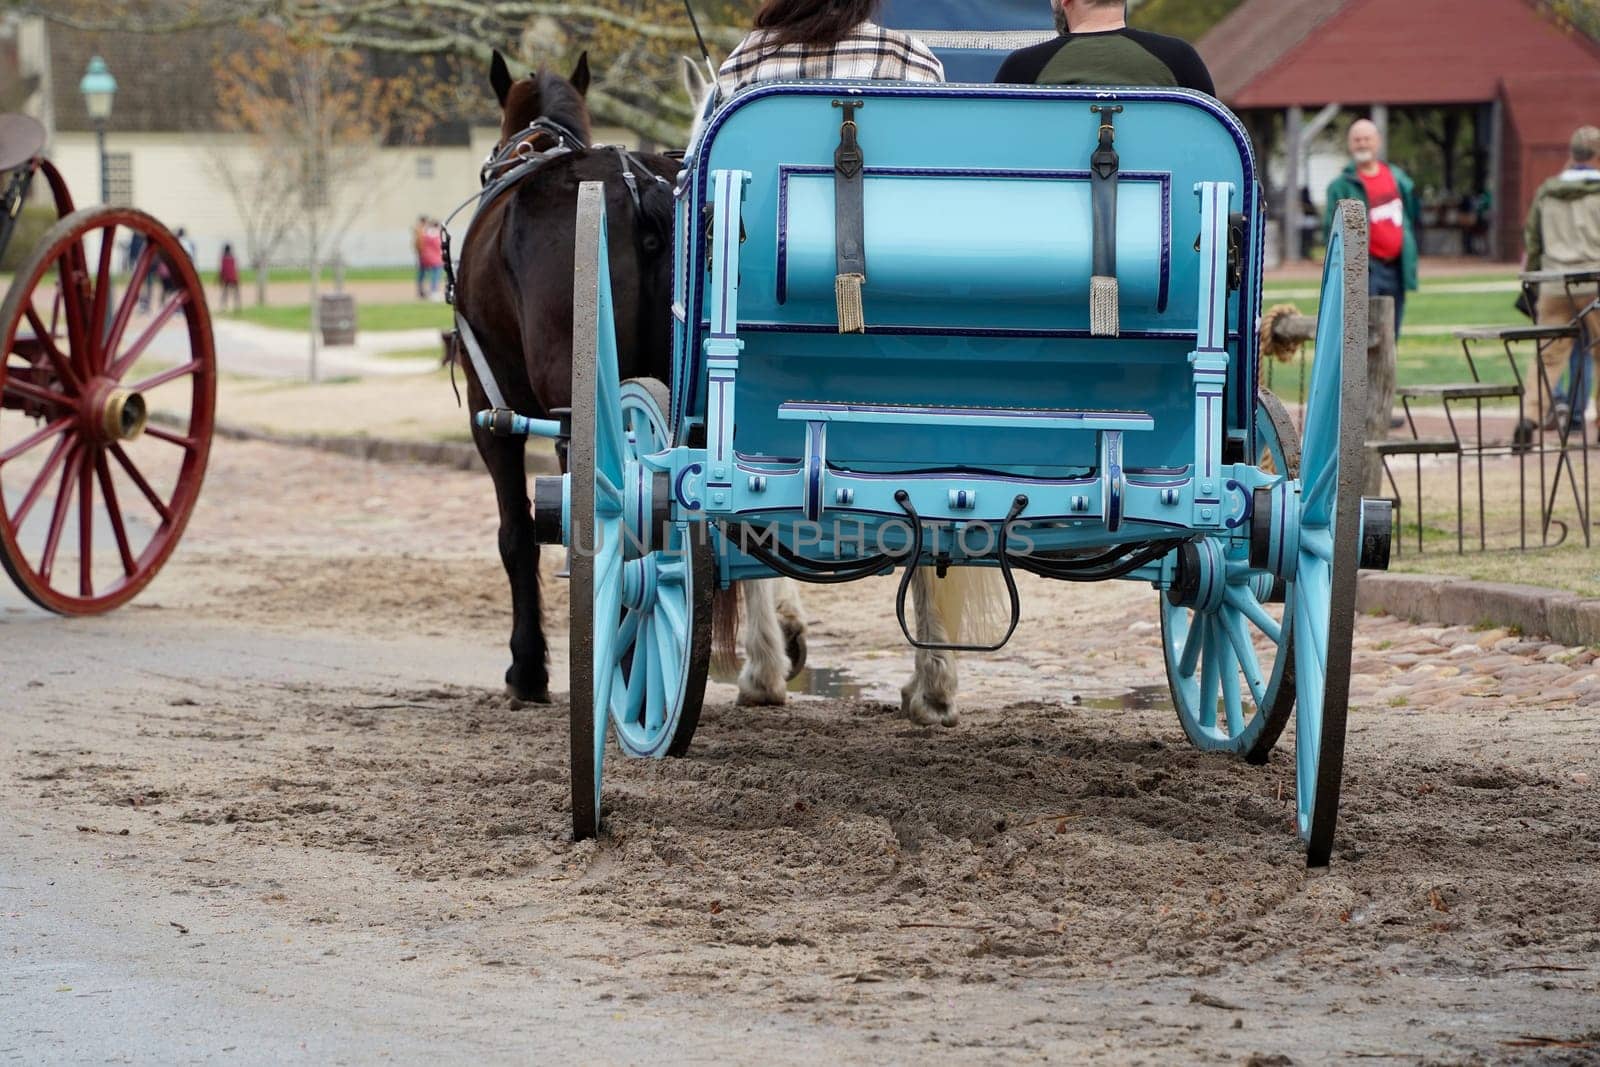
825, 39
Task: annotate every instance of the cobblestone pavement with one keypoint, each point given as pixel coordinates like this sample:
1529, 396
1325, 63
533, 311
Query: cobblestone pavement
280, 801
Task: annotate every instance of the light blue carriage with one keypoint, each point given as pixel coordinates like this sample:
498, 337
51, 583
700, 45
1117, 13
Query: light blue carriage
990, 414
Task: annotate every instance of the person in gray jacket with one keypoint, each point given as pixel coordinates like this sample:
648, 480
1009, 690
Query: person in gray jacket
1563, 234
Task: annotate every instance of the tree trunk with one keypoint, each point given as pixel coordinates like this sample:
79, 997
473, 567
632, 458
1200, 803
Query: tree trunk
261, 281
316, 311
1381, 350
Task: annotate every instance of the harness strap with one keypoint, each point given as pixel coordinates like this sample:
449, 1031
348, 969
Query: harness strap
494, 186
480, 364
1104, 165
849, 223
627, 177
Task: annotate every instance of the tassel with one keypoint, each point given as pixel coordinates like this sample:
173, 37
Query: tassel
1104, 320
847, 296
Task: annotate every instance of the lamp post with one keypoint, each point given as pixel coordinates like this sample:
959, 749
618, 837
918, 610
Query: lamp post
99, 89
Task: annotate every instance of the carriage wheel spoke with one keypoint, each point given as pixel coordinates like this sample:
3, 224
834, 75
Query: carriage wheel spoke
70, 277
672, 613
636, 695
1232, 705
170, 375
1209, 667
1318, 500
58, 359
38, 394
144, 486
35, 439
86, 523
124, 362
1245, 653
102, 297
607, 497
659, 691
58, 516
1315, 589
628, 632
29, 499
1251, 608
114, 513
1191, 646
188, 444
1318, 542
130, 301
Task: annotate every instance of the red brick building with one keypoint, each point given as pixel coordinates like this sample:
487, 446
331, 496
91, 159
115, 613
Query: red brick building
1525, 79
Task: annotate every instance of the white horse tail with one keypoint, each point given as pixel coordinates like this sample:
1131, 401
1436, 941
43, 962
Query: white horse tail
973, 603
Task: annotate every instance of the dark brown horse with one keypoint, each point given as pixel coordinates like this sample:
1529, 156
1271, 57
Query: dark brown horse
515, 290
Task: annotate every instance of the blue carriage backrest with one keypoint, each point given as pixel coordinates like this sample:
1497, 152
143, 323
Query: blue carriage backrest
978, 210
972, 37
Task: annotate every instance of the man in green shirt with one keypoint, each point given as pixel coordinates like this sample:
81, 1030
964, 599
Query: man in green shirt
1096, 47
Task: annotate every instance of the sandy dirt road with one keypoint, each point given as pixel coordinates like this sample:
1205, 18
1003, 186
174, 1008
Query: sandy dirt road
277, 810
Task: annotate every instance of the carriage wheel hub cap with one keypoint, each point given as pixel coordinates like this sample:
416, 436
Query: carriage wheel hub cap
123, 414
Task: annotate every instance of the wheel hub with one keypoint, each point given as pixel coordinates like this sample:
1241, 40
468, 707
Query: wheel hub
116, 414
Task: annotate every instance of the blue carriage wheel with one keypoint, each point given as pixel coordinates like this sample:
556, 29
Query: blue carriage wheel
640, 636
1322, 589
664, 639
1229, 662
595, 535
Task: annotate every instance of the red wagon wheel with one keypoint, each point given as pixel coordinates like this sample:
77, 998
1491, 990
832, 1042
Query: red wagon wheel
107, 392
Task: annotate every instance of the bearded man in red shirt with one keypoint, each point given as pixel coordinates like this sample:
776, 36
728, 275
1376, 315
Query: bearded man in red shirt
1392, 211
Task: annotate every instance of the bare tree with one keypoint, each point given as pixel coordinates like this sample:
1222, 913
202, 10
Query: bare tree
260, 187
633, 44
316, 119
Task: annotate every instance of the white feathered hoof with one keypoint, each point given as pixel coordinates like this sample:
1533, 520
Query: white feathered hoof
765, 693
925, 710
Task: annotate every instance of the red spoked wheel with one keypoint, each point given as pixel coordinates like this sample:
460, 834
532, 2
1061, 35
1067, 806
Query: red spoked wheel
107, 393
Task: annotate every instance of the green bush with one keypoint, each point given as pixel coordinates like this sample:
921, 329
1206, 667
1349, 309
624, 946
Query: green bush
32, 225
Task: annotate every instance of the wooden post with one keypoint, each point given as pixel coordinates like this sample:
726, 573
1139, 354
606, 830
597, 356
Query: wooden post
1293, 125
1381, 351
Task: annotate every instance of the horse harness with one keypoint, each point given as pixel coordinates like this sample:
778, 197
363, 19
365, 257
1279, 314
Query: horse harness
508, 165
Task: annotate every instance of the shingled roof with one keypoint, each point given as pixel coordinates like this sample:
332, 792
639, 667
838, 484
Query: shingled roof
164, 81
1256, 35
1276, 53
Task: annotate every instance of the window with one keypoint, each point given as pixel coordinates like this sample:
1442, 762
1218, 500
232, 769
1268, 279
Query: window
119, 178
425, 168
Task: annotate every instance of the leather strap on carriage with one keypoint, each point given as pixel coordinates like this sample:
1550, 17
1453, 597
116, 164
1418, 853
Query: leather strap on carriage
849, 223
1104, 165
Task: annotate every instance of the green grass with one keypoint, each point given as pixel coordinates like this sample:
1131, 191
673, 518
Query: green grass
1572, 567
247, 278
1427, 359
1428, 355
377, 318
1425, 309
435, 353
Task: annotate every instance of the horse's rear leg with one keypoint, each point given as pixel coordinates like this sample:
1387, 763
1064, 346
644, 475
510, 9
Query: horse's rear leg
929, 699
792, 619
528, 677
762, 681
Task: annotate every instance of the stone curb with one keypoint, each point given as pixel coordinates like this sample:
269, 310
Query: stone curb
457, 455
1564, 618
